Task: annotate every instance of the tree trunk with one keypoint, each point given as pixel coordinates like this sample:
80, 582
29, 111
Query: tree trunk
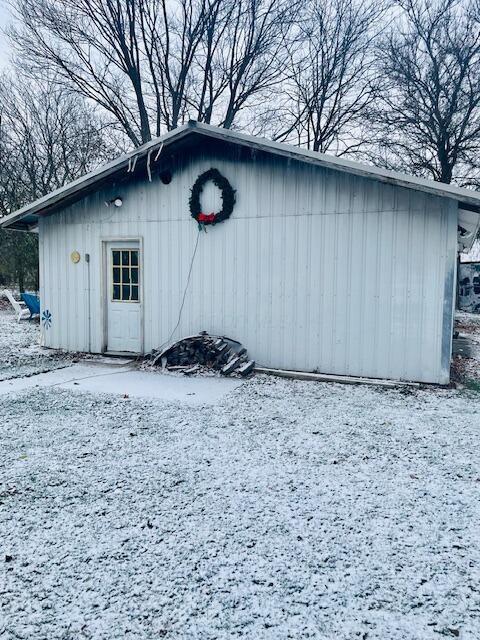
21, 279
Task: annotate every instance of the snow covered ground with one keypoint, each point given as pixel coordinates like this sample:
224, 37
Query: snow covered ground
20, 353
285, 510
467, 370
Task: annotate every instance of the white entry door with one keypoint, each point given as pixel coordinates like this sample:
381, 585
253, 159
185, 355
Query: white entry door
124, 304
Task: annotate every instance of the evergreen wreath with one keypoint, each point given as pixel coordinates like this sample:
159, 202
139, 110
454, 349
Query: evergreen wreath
228, 198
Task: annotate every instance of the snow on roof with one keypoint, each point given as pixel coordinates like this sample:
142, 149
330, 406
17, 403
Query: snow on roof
27, 217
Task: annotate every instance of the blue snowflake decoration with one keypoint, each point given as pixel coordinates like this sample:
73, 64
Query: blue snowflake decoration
47, 319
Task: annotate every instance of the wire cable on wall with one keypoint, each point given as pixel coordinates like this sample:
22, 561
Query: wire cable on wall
184, 296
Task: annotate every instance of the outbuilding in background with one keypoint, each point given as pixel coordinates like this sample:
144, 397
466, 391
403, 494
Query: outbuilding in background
469, 286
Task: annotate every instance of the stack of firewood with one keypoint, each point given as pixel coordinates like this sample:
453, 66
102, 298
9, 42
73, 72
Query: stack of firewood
192, 354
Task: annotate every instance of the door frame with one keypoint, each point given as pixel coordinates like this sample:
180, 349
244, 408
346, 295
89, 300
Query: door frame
104, 289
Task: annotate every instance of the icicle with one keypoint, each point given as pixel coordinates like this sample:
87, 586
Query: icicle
149, 171
159, 152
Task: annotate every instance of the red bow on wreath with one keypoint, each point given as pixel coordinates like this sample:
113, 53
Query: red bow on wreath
206, 217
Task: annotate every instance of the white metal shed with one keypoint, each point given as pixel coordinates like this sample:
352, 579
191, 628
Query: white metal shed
324, 265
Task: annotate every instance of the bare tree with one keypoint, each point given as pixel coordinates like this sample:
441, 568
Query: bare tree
47, 138
250, 57
332, 82
152, 64
428, 119
92, 47
171, 35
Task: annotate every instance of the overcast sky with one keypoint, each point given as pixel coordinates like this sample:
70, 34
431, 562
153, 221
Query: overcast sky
4, 19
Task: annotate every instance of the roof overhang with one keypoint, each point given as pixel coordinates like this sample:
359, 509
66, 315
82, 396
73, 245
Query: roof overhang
26, 219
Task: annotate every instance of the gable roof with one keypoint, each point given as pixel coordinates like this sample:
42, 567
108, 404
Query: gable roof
27, 217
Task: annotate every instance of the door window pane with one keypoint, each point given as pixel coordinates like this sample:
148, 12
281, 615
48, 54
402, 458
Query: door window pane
125, 275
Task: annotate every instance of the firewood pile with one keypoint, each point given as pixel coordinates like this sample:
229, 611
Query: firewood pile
191, 355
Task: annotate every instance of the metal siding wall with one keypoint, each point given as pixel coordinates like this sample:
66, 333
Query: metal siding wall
315, 270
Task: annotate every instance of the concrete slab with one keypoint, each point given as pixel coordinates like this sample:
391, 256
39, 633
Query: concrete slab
132, 383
